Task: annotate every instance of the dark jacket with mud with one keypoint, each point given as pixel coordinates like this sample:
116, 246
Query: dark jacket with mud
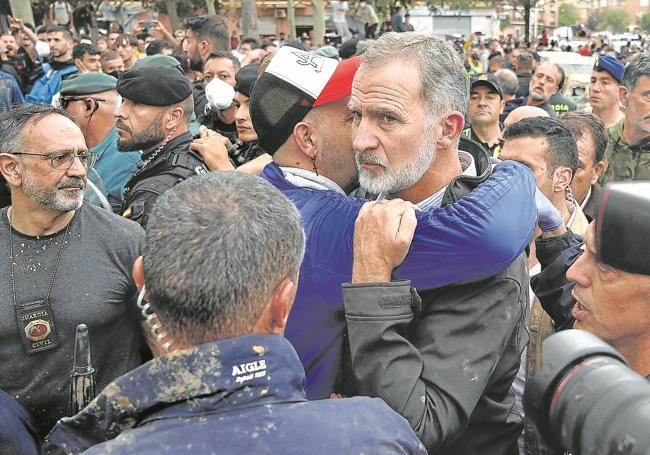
152, 177
446, 361
240, 395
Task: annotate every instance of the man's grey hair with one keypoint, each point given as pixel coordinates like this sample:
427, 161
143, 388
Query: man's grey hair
508, 80
444, 80
216, 247
634, 71
13, 122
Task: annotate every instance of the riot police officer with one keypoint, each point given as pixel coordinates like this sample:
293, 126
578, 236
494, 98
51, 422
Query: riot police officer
154, 117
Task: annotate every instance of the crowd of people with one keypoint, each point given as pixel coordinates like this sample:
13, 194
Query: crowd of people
278, 248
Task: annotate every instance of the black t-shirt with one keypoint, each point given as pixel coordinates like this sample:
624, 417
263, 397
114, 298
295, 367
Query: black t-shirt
93, 286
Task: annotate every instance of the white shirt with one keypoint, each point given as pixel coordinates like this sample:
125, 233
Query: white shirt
338, 10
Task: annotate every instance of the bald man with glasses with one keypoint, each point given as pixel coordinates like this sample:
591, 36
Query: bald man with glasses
62, 263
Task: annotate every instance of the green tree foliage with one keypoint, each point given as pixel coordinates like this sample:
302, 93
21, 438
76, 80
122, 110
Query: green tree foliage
615, 21
644, 22
568, 15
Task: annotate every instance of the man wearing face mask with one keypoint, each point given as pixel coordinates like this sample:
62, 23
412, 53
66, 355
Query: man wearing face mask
245, 154
112, 64
154, 117
91, 99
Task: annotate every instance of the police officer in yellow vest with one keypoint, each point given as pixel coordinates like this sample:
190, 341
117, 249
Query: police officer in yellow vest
628, 147
485, 105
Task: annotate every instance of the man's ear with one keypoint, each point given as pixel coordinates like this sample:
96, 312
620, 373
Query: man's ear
562, 179
451, 125
174, 117
304, 137
138, 272
502, 107
276, 313
622, 96
205, 48
598, 169
10, 169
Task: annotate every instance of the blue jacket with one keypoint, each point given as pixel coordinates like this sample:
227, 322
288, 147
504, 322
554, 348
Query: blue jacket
18, 433
114, 167
240, 395
497, 219
10, 93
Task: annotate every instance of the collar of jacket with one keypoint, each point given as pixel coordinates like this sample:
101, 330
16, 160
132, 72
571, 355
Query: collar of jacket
462, 185
616, 134
179, 142
220, 375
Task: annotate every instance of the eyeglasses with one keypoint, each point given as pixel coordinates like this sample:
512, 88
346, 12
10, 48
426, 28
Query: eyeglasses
66, 100
64, 160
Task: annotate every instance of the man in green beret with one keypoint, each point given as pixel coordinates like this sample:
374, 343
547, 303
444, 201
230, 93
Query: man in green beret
154, 117
91, 100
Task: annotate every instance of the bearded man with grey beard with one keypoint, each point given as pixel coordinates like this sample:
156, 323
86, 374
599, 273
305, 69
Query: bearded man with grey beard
63, 263
443, 358
155, 117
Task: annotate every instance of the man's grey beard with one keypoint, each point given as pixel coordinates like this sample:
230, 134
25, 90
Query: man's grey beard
143, 140
53, 198
536, 96
394, 180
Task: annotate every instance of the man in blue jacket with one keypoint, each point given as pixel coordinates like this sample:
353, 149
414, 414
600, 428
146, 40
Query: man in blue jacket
299, 111
224, 380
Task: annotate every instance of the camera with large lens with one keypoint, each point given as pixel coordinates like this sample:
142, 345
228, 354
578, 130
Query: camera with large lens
586, 400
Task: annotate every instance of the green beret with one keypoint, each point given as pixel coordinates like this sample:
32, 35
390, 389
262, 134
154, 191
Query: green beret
155, 81
87, 84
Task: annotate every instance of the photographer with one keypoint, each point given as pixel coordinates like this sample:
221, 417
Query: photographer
606, 289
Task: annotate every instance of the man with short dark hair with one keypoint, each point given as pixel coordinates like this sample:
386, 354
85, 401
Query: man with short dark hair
495, 62
222, 65
86, 58
59, 67
227, 381
247, 45
603, 89
66, 263
112, 64
628, 149
591, 138
524, 71
548, 148
154, 117
204, 35
160, 46
91, 99
485, 106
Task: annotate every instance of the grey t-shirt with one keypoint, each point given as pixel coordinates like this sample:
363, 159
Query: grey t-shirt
93, 286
